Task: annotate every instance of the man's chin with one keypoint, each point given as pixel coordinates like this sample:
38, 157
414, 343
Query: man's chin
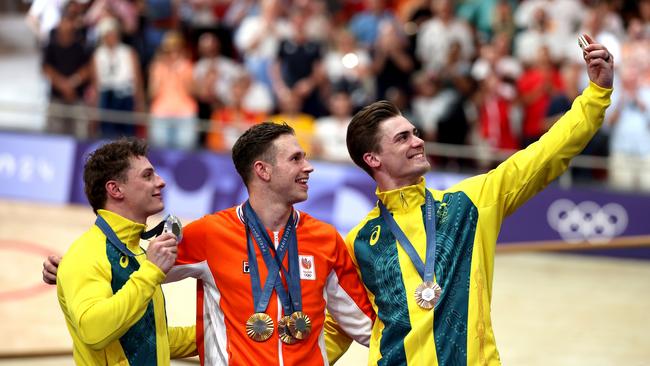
299, 198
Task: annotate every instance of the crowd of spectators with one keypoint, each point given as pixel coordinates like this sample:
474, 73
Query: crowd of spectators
495, 74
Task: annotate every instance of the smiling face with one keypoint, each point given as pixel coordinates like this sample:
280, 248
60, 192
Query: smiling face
290, 171
141, 190
401, 160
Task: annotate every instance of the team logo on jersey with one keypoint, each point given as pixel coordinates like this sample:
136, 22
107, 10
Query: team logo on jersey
374, 236
245, 268
124, 261
307, 268
442, 212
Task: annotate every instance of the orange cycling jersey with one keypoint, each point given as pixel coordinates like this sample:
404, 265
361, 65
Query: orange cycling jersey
213, 250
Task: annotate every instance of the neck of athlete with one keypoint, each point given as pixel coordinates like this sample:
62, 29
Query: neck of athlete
386, 182
273, 213
126, 212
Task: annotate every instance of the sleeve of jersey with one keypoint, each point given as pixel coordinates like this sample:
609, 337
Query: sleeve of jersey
182, 342
347, 300
191, 252
528, 171
100, 316
336, 341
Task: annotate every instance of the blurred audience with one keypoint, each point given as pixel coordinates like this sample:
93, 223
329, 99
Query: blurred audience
171, 87
493, 74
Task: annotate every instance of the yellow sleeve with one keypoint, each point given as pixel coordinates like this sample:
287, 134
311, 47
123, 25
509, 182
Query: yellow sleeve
98, 315
528, 171
182, 342
337, 341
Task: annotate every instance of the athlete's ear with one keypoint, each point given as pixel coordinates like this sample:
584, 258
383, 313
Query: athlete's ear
113, 189
372, 160
263, 170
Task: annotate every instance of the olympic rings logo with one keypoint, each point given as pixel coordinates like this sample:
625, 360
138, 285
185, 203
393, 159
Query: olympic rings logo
587, 221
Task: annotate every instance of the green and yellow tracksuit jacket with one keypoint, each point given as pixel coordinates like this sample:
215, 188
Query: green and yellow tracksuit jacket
468, 219
113, 304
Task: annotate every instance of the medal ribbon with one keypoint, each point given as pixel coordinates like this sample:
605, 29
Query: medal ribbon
157, 230
426, 269
112, 237
261, 296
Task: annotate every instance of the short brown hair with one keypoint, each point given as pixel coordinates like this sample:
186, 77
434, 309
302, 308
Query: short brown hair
257, 143
363, 131
109, 162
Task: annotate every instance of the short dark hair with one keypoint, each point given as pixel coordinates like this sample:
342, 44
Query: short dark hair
363, 131
257, 143
109, 162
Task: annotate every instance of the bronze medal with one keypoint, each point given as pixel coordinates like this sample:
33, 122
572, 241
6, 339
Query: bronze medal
427, 294
259, 327
299, 325
283, 331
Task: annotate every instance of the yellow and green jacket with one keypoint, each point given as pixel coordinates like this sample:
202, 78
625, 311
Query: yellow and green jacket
458, 331
113, 305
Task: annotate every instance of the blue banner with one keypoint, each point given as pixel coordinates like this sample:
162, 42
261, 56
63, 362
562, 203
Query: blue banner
34, 167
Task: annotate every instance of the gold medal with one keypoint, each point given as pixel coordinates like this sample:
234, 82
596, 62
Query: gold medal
283, 331
427, 294
259, 327
299, 325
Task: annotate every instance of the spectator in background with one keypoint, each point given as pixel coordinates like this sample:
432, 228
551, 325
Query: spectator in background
198, 17
214, 76
258, 39
563, 16
126, 12
494, 102
502, 20
392, 62
485, 14
243, 109
171, 87
117, 80
331, 130
438, 34
635, 50
65, 65
349, 65
318, 26
302, 123
535, 37
365, 24
630, 136
298, 68
536, 86
430, 104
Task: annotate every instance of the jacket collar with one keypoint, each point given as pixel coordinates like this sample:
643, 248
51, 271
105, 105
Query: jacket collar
126, 230
403, 199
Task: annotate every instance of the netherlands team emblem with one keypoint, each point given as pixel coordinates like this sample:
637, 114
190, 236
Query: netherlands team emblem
307, 268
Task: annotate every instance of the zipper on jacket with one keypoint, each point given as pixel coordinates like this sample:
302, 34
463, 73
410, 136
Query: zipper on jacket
277, 298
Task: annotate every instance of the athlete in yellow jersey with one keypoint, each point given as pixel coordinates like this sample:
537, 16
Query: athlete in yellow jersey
445, 319
108, 287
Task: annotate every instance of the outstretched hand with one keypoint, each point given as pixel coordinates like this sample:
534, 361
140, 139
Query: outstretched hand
600, 63
50, 267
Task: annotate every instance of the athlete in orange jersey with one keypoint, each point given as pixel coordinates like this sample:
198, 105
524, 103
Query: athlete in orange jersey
215, 249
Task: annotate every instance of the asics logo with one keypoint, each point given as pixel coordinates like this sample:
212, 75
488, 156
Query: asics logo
374, 236
587, 221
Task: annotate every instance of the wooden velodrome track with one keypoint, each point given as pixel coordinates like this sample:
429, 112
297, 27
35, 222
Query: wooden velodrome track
548, 309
